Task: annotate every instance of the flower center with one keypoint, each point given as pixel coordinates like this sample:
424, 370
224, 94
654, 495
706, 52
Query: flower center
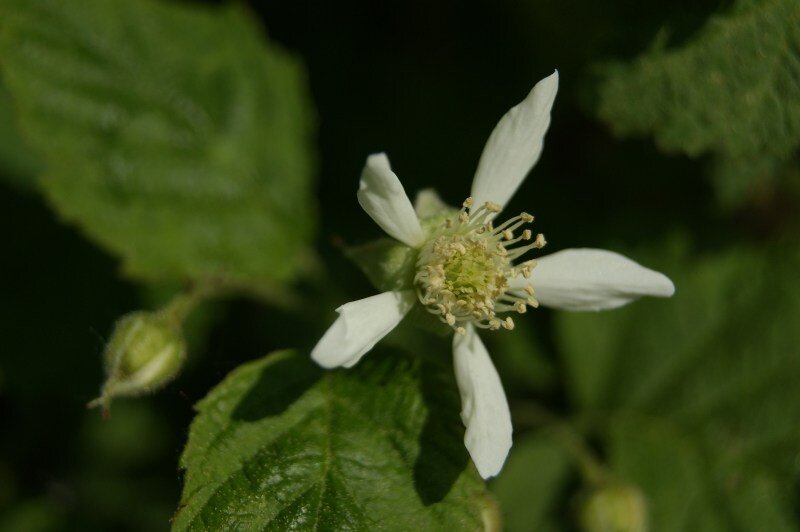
464, 268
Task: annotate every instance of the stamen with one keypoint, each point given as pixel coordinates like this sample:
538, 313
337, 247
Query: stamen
464, 269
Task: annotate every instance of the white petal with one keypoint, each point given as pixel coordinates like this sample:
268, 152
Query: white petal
360, 325
515, 145
381, 194
593, 279
484, 409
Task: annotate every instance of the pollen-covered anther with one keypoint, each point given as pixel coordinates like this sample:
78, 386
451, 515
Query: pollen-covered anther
465, 267
529, 289
493, 207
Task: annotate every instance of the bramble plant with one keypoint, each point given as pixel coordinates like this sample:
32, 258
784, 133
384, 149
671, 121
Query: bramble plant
182, 142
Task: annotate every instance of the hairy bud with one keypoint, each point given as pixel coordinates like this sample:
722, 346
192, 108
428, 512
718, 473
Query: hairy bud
145, 352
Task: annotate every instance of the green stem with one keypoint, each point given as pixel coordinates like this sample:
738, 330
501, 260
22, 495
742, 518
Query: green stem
181, 305
592, 469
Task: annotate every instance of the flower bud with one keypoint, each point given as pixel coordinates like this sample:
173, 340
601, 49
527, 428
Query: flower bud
615, 507
145, 352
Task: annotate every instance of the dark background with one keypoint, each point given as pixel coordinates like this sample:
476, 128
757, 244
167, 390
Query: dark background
423, 81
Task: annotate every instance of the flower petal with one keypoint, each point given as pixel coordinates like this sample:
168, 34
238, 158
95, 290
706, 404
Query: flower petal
381, 194
360, 325
515, 145
593, 279
484, 409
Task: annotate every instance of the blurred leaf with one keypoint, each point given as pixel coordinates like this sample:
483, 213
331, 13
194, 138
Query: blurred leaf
734, 89
175, 137
281, 445
531, 483
33, 515
699, 394
522, 361
18, 165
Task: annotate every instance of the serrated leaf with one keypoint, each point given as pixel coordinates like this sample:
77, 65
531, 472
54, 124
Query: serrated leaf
733, 89
176, 137
282, 445
697, 396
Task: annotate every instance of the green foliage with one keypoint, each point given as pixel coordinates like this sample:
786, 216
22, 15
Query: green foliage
174, 137
532, 482
18, 164
732, 90
282, 445
696, 398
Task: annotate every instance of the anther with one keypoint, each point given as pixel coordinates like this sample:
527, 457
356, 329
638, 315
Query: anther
493, 207
540, 241
468, 203
508, 234
529, 289
527, 218
508, 323
526, 234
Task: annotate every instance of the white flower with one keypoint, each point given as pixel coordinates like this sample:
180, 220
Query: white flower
466, 276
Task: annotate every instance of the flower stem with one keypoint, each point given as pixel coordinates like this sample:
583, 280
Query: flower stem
591, 467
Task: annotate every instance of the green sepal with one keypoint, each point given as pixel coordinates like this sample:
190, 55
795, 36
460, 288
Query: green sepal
387, 263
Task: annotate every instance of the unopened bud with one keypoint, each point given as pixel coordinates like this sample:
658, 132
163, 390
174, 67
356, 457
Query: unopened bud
145, 352
615, 507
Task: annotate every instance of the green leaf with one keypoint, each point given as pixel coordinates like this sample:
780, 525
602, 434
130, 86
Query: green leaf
733, 89
175, 137
696, 397
18, 165
282, 445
